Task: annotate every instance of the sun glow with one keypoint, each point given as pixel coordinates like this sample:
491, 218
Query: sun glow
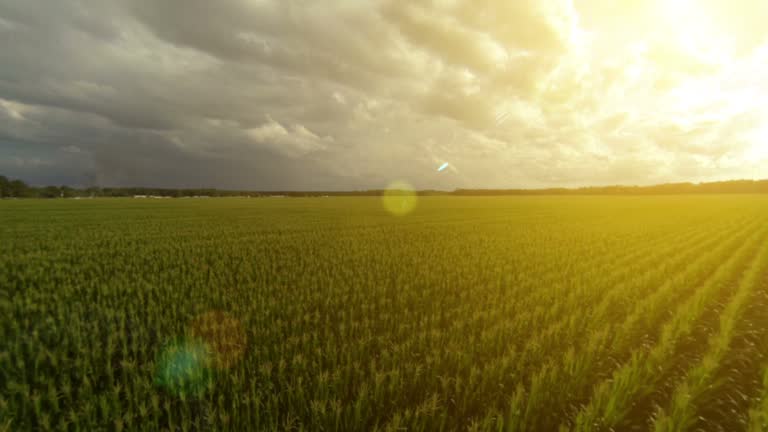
695, 32
758, 149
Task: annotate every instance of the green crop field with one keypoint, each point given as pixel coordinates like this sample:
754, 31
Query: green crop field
324, 314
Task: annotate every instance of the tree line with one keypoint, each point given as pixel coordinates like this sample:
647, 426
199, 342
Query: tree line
15, 188
721, 187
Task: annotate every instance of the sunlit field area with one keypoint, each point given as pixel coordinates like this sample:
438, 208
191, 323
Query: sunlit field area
324, 314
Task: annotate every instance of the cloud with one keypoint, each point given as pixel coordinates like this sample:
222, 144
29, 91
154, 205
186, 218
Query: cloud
444, 36
29, 163
297, 141
71, 149
353, 94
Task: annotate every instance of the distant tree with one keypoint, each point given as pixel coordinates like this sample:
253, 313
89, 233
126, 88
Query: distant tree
93, 191
4, 186
67, 192
18, 189
50, 192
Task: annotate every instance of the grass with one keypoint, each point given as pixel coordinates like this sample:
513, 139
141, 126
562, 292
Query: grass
321, 314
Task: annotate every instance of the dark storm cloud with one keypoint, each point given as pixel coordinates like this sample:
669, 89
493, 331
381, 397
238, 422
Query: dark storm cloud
89, 75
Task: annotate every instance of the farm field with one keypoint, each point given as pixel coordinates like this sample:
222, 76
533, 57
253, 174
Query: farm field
324, 314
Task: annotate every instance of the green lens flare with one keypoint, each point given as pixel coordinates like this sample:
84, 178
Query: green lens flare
399, 198
184, 367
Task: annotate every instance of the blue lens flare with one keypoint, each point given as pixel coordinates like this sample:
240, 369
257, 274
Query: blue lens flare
184, 366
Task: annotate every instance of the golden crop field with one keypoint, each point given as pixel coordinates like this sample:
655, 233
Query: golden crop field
331, 314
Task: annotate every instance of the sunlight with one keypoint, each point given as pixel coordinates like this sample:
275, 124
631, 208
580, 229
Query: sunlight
758, 150
695, 32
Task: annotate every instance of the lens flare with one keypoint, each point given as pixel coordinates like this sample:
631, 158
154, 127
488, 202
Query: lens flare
184, 367
223, 334
399, 198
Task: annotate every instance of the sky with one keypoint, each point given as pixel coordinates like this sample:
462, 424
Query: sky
355, 94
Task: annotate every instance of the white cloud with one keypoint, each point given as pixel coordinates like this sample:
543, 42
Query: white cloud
27, 162
294, 142
72, 149
12, 109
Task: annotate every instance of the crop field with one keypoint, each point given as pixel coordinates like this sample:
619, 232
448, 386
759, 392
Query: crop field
333, 314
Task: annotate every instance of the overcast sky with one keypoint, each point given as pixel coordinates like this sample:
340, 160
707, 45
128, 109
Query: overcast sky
353, 94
